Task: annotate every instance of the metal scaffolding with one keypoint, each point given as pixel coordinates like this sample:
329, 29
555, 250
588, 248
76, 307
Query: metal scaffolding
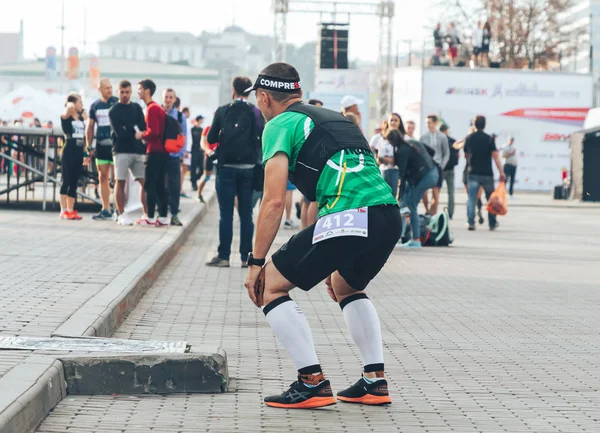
383, 9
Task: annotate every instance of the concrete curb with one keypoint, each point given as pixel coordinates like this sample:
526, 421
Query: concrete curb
101, 315
31, 390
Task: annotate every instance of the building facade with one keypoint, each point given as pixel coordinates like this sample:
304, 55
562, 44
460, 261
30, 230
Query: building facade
199, 89
151, 46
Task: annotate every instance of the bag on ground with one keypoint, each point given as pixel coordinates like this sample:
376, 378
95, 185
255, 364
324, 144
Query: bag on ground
407, 228
497, 202
439, 231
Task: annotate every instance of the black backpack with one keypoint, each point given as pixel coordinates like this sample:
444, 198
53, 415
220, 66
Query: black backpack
439, 231
238, 137
173, 136
453, 160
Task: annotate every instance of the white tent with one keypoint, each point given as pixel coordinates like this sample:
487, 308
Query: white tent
26, 103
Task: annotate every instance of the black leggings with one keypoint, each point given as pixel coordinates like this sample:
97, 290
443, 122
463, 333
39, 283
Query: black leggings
72, 166
156, 172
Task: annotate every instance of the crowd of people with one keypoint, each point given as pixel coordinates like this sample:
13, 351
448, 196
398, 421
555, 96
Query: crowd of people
450, 43
122, 139
352, 192
414, 167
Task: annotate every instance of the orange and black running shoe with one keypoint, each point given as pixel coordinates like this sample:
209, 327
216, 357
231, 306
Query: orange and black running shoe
372, 393
301, 396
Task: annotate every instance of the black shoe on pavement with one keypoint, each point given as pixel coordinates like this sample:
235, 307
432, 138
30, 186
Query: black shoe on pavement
363, 392
175, 221
301, 396
480, 215
218, 262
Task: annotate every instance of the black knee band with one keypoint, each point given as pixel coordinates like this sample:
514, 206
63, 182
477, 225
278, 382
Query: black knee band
311, 369
275, 303
372, 368
352, 298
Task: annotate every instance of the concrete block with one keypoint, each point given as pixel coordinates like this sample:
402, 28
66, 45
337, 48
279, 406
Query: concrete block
147, 374
34, 397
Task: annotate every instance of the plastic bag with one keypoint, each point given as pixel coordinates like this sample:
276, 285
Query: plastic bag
497, 202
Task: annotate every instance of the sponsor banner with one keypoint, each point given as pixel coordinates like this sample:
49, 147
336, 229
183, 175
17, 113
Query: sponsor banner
94, 72
539, 110
50, 63
73, 63
571, 116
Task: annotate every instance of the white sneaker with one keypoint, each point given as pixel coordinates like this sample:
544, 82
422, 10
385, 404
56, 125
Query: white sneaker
161, 222
122, 221
289, 224
144, 221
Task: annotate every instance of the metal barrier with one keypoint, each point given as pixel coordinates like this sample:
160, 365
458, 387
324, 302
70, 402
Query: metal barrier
31, 155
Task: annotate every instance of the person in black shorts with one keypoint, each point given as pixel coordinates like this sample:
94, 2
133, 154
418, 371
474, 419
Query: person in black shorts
103, 152
357, 228
208, 151
72, 123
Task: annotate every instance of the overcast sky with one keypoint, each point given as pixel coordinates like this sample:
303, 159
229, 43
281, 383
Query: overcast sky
107, 17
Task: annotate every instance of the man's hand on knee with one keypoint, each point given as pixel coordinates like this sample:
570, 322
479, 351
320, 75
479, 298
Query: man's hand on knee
330, 288
255, 283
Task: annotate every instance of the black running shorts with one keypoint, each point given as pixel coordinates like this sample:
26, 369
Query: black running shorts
358, 259
208, 164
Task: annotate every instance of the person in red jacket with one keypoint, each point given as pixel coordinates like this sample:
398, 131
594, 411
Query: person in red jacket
156, 157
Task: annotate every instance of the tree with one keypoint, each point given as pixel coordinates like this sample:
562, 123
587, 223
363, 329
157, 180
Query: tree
525, 33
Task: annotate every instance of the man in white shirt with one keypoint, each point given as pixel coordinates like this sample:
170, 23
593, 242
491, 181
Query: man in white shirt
410, 130
509, 153
438, 142
350, 105
477, 43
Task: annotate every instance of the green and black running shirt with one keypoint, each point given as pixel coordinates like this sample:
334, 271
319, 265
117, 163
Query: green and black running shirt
348, 180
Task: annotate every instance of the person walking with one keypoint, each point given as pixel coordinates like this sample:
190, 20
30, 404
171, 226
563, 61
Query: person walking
438, 143
236, 130
480, 150
448, 170
509, 153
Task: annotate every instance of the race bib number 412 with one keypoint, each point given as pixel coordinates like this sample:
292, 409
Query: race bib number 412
352, 222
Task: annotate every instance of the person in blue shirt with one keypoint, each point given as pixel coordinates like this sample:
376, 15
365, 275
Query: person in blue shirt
174, 163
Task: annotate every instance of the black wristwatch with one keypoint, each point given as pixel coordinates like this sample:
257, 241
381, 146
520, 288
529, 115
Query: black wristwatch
255, 262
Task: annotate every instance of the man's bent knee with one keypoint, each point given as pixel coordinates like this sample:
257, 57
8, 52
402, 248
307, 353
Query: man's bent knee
273, 284
342, 289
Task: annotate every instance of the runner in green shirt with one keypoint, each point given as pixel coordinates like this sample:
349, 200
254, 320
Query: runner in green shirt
329, 161
361, 184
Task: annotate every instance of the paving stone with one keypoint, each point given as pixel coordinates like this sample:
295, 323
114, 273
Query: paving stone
496, 334
50, 268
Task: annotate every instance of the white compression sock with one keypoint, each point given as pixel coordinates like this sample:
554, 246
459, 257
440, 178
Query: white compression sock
292, 330
363, 322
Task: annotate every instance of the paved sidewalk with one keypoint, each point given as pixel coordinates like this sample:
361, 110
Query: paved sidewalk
50, 268
495, 334
524, 199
